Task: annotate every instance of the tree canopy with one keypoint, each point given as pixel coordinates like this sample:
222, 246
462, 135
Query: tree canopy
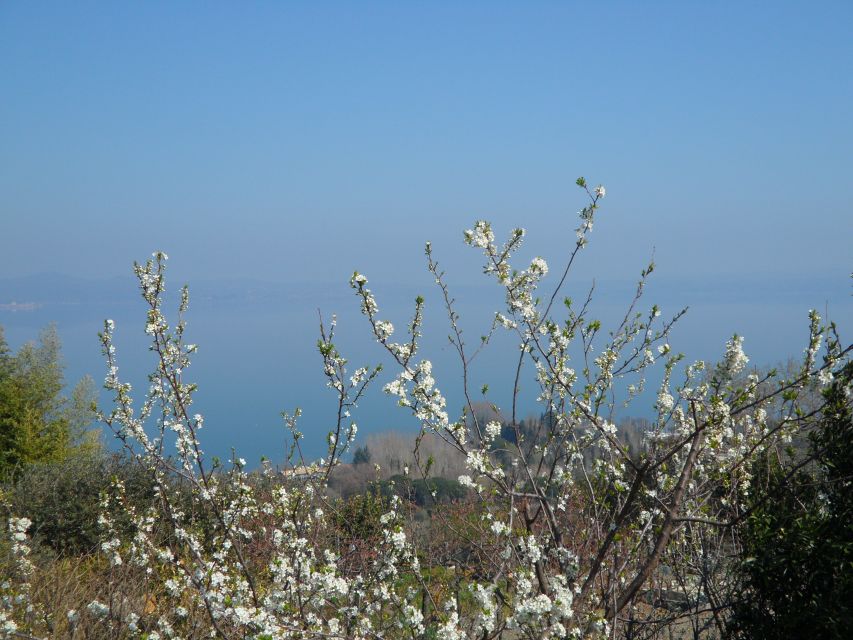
38, 423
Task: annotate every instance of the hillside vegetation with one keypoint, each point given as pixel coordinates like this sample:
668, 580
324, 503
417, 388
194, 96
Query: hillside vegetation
725, 515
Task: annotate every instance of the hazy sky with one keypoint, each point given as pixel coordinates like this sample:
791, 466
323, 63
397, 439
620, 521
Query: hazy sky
298, 141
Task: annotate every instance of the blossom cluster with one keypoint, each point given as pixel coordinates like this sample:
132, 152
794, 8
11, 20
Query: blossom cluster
567, 523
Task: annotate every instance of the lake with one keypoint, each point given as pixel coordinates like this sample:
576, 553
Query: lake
258, 357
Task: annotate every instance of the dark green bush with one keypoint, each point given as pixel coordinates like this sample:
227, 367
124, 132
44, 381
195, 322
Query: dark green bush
797, 567
358, 517
63, 498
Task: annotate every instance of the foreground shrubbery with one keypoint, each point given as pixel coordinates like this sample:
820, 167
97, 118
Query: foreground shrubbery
796, 571
564, 530
63, 499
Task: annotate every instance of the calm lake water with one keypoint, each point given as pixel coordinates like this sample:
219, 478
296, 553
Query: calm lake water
258, 355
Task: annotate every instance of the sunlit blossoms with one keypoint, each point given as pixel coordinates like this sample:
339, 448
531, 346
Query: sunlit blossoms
561, 527
481, 235
735, 359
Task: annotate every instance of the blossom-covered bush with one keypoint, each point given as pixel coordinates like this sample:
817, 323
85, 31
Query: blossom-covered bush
553, 542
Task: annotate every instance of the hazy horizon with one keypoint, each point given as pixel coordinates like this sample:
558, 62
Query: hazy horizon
283, 146
257, 353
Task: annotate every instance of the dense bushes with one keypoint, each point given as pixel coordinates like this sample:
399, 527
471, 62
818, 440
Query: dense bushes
358, 517
63, 499
797, 566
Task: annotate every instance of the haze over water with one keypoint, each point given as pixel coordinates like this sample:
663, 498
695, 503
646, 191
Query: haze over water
272, 150
259, 357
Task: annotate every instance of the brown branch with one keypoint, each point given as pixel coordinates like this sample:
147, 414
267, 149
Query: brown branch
666, 529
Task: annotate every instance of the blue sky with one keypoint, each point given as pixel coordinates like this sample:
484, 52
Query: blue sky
296, 142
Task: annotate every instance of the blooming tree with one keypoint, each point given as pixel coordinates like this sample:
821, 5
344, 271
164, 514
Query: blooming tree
565, 547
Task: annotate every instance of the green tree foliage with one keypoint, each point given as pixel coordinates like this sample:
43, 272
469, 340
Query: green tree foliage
797, 570
37, 423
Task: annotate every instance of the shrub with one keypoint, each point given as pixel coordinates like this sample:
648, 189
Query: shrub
797, 566
63, 499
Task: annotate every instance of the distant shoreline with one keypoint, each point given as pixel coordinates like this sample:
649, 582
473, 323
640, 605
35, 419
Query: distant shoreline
20, 306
